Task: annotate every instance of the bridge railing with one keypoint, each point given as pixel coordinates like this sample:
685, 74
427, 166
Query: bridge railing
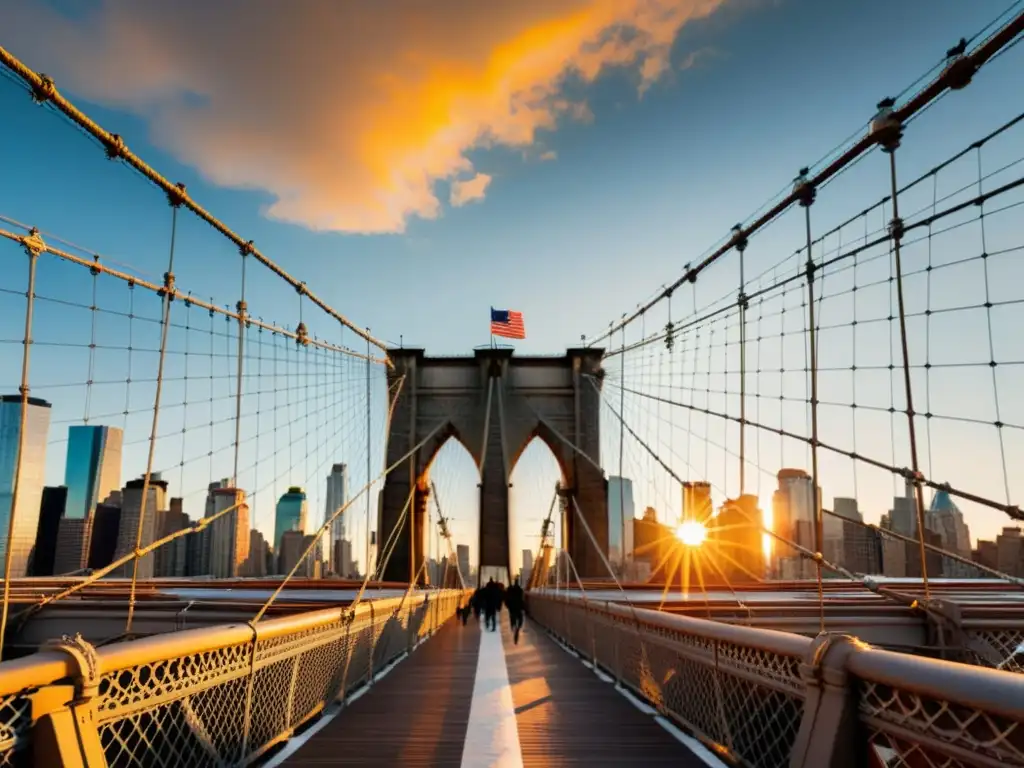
213, 696
773, 699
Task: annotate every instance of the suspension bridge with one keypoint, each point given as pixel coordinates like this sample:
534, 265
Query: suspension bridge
744, 618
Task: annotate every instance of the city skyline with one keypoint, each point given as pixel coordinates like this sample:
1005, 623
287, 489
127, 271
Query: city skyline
94, 451
648, 175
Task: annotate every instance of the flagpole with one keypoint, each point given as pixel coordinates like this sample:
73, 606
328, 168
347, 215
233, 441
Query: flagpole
489, 326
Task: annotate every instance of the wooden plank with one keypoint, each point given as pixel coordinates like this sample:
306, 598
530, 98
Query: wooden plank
416, 716
568, 716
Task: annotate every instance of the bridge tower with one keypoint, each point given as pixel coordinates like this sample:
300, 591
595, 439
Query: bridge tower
494, 403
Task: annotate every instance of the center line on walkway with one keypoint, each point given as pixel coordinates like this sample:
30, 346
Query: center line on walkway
492, 738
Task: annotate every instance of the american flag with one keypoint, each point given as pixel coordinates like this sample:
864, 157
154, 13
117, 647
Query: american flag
505, 322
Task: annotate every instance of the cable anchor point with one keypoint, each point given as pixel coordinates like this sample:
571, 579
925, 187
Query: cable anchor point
176, 196
739, 238
44, 90
803, 189
33, 242
886, 128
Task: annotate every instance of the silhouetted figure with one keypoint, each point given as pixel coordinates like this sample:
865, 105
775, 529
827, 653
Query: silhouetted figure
492, 604
477, 601
515, 600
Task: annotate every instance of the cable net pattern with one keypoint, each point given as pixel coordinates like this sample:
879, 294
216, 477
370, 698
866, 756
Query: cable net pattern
223, 410
764, 387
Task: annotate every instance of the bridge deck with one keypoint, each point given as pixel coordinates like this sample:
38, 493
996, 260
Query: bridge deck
473, 698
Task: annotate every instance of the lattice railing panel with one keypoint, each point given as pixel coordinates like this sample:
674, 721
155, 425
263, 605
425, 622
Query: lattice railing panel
228, 706
996, 648
15, 721
928, 731
748, 700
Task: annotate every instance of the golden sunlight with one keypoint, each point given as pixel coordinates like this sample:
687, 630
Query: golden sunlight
691, 533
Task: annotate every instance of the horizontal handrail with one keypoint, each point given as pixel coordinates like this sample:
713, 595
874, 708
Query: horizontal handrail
33, 671
47, 667
782, 643
989, 690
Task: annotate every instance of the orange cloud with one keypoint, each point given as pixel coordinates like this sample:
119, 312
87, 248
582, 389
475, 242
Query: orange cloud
469, 190
347, 114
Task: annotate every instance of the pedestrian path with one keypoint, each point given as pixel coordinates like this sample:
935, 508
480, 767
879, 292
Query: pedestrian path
469, 698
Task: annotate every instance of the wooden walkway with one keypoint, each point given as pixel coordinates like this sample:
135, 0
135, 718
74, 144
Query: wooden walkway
419, 714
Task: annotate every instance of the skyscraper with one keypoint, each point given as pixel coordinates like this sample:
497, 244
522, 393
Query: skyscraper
794, 508
736, 551
290, 516
229, 533
462, 555
32, 463
133, 518
337, 495
51, 511
527, 568
172, 558
92, 472
620, 519
697, 501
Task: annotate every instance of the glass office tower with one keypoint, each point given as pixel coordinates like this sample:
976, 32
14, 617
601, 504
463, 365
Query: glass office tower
620, 519
25, 510
91, 473
290, 516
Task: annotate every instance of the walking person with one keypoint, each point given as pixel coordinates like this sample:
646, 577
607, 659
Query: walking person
515, 601
491, 601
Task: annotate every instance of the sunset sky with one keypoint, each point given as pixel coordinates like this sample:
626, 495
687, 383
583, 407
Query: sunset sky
416, 163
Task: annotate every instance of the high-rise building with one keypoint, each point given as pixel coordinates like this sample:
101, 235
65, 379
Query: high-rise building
199, 543
528, 566
903, 515
862, 550
845, 513
697, 501
105, 527
256, 563
735, 546
794, 508
229, 533
337, 495
51, 510
620, 517
341, 557
1010, 552
462, 555
171, 560
134, 518
945, 518
29, 470
290, 516
92, 471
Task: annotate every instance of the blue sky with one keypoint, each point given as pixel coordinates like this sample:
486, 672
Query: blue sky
641, 187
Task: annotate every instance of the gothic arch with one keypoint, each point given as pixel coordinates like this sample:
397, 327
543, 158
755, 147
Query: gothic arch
494, 403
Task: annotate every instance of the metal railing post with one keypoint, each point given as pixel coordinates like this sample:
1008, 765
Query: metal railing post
829, 734
64, 729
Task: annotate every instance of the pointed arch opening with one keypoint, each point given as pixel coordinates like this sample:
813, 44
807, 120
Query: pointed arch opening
537, 470
453, 478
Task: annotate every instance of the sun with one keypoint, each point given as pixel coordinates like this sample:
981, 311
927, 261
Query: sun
691, 533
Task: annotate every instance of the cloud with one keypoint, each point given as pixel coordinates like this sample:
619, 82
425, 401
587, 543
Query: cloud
469, 190
547, 156
347, 115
